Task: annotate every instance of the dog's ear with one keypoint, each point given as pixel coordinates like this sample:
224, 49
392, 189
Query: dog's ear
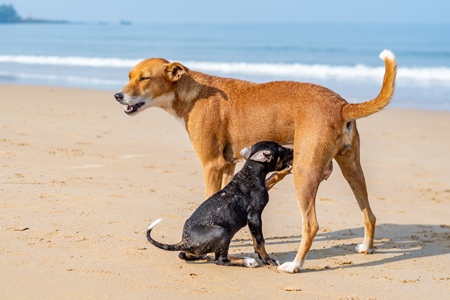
174, 71
246, 152
262, 156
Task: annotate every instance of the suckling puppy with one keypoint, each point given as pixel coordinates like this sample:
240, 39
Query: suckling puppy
212, 226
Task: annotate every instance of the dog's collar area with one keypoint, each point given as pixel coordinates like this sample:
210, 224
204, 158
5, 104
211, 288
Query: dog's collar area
132, 109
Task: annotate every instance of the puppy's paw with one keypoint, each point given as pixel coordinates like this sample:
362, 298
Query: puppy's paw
360, 248
271, 261
250, 262
290, 267
182, 255
185, 256
286, 171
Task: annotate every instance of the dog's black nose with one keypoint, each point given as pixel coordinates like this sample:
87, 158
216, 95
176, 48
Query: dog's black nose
118, 96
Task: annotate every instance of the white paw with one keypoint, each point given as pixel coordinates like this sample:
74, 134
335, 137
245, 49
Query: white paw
250, 262
360, 248
291, 267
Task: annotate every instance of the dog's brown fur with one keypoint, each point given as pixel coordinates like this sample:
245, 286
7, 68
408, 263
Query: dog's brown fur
224, 115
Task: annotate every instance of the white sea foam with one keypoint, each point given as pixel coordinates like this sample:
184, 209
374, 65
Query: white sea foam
289, 70
69, 61
441, 74
64, 78
281, 70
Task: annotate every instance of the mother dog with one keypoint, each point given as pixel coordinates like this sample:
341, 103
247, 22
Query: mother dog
224, 115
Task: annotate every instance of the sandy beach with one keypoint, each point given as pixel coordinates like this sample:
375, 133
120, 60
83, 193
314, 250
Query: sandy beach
80, 181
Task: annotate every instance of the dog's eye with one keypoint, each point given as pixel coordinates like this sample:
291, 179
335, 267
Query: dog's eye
144, 78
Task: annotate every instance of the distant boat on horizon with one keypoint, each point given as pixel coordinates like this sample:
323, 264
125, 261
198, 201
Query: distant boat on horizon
122, 22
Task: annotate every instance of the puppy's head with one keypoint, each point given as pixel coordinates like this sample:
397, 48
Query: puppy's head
150, 85
274, 156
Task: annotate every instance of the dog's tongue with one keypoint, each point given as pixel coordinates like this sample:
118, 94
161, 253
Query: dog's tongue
130, 109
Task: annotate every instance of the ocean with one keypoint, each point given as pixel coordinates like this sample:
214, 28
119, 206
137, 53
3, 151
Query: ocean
342, 57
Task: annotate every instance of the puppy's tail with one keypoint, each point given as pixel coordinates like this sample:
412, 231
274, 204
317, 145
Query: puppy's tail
361, 110
176, 247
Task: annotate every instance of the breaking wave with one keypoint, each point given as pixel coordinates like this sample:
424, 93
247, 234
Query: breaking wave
295, 70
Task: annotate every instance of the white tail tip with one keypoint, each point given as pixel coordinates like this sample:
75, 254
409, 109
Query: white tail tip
387, 54
154, 224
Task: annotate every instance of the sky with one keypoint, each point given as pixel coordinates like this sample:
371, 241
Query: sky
237, 11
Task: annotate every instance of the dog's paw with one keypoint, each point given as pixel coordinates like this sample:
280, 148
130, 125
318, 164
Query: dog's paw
290, 267
360, 248
285, 171
271, 261
250, 262
185, 256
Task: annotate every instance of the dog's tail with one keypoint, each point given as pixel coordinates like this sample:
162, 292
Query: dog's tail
176, 247
361, 110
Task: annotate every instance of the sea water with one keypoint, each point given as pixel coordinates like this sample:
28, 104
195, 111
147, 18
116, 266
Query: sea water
342, 57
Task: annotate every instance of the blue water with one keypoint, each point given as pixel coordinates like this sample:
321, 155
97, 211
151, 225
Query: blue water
343, 57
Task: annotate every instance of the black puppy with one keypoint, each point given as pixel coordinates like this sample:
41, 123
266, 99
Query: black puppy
212, 226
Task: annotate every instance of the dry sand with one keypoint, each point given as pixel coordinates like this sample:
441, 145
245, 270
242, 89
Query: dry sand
80, 181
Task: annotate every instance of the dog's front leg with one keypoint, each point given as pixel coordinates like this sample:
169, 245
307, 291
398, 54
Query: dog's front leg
212, 173
277, 177
255, 225
227, 174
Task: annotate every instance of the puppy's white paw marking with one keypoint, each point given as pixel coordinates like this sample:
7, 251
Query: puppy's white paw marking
291, 267
360, 248
250, 262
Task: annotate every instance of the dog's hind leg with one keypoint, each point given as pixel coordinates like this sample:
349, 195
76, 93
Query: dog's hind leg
310, 161
228, 260
351, 169
278, 176
188, 256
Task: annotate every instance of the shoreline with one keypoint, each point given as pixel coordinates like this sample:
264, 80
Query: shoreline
80, 182
356, 91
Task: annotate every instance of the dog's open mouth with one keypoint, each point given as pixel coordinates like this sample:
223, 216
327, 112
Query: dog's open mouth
131, 109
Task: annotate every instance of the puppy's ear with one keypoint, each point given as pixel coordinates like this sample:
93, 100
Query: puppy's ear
246, 152
262, 156
173, 71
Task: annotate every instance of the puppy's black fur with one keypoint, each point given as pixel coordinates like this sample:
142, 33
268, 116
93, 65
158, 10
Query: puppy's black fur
214, 223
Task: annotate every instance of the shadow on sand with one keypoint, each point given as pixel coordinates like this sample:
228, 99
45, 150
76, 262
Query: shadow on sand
393, 243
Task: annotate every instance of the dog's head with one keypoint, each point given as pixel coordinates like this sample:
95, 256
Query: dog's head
274, 156
150, 85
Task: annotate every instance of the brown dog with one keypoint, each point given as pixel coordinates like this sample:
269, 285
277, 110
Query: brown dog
224, 115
